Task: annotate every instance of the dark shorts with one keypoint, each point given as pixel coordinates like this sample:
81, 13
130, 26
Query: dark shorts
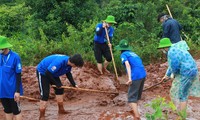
102, 50
135, 90
44, 85
11, 106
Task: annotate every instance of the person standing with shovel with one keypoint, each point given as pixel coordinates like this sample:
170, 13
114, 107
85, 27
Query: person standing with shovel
136, 75
10, 80
101, 48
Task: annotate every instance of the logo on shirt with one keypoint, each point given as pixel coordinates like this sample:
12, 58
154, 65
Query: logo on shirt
97, 29
19, 66
53, 68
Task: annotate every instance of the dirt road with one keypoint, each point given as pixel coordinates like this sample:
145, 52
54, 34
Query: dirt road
97, 106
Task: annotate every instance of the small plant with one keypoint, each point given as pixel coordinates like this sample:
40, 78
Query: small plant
182, 114
163, 109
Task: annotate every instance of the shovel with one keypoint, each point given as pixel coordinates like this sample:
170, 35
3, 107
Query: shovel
113, 61
124, 87
29, 98
164, 81
87, 90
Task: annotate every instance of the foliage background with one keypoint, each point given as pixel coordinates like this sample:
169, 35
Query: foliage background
38, 28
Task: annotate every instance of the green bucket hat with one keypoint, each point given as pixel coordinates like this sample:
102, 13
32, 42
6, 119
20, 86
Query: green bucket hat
164, 42
110, 19
123, 45
4, 43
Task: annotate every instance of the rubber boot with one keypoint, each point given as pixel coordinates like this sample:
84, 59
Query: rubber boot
42, 114
61, 109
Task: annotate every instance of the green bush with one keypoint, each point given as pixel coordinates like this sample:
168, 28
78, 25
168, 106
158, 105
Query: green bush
39, 28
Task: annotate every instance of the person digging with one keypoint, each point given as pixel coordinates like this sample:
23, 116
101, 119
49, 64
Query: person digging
183, 66
136, 75
101, 44
48, 72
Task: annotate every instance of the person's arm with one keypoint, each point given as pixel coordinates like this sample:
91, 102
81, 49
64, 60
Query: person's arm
110, 34
174, 62
174, 65
100, 28
110, 38
70, 78
18, 81
50, 76
99, 31
18, 70
17, 91
168, 72
166, 28
128, 68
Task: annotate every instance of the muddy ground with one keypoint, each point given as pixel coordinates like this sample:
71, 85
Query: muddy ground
98, 106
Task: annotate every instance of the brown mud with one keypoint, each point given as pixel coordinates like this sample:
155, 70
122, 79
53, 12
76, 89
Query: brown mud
84, 105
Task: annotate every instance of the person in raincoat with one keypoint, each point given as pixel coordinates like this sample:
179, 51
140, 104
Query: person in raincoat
183, 66
10, 80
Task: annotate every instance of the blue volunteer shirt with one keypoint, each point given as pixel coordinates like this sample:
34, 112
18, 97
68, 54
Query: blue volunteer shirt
102, 38
10, 65
137, 68
56, 64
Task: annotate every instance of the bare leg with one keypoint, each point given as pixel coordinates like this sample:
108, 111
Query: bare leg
61, 109
43, 105
105, 66
134, 107
18, 117
9, 116
99, 67
183, 105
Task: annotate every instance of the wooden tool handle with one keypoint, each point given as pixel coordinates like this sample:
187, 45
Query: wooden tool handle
87, 90
29, 98
164, 81
116, 74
